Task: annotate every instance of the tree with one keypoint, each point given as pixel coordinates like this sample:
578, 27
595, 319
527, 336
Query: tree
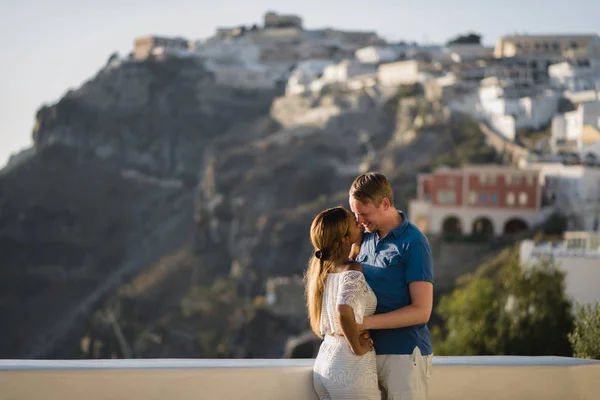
585, 338
471, 38
504, 309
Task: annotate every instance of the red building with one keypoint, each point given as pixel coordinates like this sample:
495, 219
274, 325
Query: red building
490, 199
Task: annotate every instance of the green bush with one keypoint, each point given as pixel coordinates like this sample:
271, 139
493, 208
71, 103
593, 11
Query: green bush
585, 337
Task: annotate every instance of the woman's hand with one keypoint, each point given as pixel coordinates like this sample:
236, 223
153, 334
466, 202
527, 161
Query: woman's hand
365, 345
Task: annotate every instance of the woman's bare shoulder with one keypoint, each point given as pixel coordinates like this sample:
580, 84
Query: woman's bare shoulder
350, 266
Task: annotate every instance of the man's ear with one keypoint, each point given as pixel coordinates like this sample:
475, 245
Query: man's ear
385, 202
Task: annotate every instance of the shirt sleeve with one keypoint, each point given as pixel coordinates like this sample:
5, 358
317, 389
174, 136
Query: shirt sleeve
419, 261
352, 291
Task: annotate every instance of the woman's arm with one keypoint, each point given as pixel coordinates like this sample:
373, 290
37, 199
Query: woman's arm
358, 345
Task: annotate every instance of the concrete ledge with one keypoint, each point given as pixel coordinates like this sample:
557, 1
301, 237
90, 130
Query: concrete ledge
497, 377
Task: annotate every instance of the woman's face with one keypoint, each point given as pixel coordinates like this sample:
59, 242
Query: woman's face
354, 229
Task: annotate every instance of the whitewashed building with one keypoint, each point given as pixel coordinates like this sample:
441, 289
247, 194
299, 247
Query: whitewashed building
399, 73
467, 52
230, 50
159, 46
306, 77
573, 190
377, 54
346, 70
576, 131
578, 255
555, 45
243, 76
508, 108
575, 75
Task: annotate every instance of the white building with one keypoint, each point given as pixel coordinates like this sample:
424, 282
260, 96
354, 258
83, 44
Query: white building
306, 77
577, 131
346, 70
230, 50
573, 190
508, 108
243, 76
575, 75
160, 46
377, 54
467, 52
554, 45
578, 256
399, 73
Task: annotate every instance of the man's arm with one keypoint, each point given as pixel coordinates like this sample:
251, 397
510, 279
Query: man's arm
419, 274
418, 312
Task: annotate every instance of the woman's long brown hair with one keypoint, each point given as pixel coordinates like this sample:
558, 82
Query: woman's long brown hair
326, 234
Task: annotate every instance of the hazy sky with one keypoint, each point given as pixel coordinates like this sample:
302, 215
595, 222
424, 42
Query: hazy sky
49, 46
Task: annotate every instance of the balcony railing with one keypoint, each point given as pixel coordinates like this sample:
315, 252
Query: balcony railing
465, 378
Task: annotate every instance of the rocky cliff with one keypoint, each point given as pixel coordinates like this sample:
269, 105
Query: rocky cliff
158, 204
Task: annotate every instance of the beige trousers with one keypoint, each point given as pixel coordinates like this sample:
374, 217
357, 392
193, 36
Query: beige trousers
404, 377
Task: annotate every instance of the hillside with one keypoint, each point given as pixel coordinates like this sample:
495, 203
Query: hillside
158, 204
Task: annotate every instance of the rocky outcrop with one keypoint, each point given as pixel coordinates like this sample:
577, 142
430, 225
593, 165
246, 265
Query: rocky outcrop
153, 116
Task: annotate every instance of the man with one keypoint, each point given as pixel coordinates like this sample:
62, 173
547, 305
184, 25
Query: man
398, 266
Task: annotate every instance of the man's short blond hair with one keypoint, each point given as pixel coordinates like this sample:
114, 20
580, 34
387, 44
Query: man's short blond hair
372, 187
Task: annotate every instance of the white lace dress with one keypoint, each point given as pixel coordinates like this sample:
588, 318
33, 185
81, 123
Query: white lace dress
338, 373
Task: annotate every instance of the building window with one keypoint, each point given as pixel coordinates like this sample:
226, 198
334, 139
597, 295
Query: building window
494, 198
518, 179
510, 199
446, 197
523, 198
472, 197
451, 182
482, 198
486, 179
508, 179
530, 180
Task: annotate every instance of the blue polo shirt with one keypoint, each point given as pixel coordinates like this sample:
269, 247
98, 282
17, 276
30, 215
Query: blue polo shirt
389, 265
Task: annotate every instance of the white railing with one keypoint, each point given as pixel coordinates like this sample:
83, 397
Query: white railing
564, 252
465, 378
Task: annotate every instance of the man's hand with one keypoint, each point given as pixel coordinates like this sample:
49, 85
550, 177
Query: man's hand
365, 327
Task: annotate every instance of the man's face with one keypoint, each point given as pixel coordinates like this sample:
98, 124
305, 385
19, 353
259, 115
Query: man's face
369, 216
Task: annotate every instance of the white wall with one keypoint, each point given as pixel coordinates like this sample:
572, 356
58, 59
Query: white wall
503, 124
577, 189
244, 76
467, 215
228, 50
375, 55
576, 78
465, 378
398, 73
582, 268
302, 77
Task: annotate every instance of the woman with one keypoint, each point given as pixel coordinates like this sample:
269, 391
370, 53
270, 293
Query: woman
338, 298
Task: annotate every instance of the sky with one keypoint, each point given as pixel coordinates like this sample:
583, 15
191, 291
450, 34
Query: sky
49, 47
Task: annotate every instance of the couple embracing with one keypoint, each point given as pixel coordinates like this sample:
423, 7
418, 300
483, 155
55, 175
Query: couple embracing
369, 289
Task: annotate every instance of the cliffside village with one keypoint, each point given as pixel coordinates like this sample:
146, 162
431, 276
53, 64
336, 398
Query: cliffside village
523, 83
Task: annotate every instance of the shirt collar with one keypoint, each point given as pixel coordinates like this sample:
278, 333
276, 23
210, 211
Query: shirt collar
399, 230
